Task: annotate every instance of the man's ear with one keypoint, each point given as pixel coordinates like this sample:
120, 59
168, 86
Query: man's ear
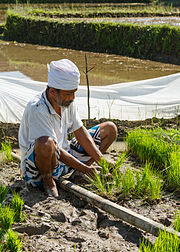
52, 91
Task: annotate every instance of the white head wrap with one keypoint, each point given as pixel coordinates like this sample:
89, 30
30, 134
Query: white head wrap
63, 74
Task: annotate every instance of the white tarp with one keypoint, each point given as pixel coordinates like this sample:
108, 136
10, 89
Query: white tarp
139, 100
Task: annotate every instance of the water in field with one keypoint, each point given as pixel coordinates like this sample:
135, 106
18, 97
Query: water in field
107, 69
172, 21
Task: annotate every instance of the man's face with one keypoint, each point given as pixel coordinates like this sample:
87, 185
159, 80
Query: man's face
65, 97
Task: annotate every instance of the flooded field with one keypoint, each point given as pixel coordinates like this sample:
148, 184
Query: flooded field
173, 21
108, 69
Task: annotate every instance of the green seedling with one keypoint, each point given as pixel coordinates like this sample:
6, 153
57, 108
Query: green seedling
13, 243
165, 242
17, 205
108, 180
160, 148
148, 183
176, 224
128, 182
6, 150
3, 193
173, 171
7, 217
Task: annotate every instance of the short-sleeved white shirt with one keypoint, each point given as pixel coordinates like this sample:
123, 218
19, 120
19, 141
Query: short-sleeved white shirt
40, 119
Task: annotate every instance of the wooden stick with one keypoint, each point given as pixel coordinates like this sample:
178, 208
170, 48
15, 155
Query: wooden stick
88, 91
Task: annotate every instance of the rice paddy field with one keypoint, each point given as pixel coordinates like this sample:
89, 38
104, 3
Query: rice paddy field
143, 176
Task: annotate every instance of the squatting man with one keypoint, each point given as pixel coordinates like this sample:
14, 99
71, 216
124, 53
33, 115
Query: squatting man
43, 135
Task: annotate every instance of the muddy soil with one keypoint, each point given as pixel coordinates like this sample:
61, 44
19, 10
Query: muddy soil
69, 223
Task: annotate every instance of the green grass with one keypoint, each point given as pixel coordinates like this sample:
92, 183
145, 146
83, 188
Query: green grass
13, 243
160, 148
3, 193
148, 184
7, 217
165, 242
176, 224
6, 149
128, 183
106, 11
9, 214
110, 181
173, 171
17, 205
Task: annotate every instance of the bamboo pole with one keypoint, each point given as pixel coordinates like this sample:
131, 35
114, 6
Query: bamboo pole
116, 210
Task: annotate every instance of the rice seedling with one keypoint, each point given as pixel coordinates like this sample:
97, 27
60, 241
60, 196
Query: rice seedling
7, 217
165, 242
13, 243
6, 150
176, 224
150, 146
17, 205
154, 146
161, 148
108, 180
148, 183
3, 193
128, 183
173, 171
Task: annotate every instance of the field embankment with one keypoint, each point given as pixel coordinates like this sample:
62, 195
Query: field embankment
141, 41
77, 1
105, 10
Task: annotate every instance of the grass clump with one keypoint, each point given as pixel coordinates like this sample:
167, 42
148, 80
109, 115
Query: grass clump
176, 224
173, 171
9, 214
165, 242
6, 150
7, 217
111, 181
148, 183
108, 180
3, 193
128, 183
17, 205
13, 243
160, 148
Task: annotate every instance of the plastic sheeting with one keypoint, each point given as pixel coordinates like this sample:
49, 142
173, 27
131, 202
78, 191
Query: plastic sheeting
139, 100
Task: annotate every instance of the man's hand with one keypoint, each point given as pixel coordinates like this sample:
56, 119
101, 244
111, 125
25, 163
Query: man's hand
90, 171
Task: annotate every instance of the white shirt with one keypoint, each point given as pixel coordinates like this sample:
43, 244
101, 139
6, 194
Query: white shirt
40, 119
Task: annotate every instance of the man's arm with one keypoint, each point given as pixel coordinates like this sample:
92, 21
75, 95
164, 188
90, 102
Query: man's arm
71, 161
85, 140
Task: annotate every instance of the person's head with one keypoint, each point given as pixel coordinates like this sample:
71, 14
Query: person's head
61, 97
63, 81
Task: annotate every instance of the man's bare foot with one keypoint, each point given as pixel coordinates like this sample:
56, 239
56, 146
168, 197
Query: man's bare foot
50, 187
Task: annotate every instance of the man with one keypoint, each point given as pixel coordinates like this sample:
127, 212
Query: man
47, 121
